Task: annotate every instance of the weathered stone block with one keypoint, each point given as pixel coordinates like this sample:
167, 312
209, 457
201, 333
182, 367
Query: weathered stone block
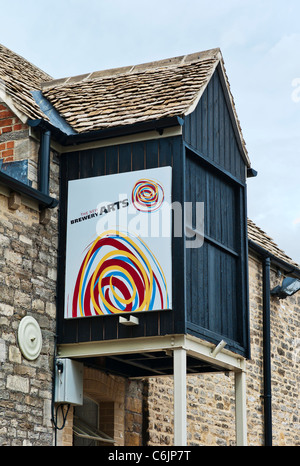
17, 383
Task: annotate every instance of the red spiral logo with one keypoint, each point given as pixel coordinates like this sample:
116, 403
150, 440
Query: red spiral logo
119, 274
147, 195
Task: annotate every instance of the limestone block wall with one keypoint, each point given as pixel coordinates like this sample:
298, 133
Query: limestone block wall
28, 261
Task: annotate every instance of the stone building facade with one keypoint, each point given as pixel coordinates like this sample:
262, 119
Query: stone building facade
28, 256
210, 397
128, 411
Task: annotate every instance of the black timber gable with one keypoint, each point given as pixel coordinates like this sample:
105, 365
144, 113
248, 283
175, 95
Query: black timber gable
215, 174
211, 129
210, 289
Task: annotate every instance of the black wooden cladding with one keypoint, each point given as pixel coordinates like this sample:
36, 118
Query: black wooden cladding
209, 284
210, 131
216, 273
216, 295
105, 161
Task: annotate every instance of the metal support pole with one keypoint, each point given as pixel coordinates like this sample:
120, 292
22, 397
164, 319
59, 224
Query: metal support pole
179, 361
240, 408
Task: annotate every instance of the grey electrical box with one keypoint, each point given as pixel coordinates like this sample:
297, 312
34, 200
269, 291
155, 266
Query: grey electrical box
68, 382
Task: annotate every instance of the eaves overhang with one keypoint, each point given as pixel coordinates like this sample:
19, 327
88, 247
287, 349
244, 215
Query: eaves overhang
289, 269
14, 185
97, 135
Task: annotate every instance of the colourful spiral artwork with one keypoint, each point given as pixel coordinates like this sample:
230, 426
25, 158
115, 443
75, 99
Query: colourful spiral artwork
119, 274
147, 195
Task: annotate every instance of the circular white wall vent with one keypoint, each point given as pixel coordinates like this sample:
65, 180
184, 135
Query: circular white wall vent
30, 338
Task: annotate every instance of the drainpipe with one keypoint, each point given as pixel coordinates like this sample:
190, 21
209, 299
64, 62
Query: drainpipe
44, 168
267, 258
267, 352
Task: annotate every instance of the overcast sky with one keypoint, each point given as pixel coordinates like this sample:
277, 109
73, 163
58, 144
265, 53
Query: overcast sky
260, 43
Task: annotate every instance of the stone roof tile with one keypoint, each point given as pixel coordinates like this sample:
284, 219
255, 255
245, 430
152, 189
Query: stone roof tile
110, 97
258, 236
18, 78
133, 94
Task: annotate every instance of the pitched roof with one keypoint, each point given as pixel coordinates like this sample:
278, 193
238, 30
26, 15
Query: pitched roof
258, 236
122, 96
117, 97
135, 94
18, 78
131, 94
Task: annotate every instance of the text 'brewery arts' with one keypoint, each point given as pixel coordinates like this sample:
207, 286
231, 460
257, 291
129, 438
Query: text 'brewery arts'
112, 207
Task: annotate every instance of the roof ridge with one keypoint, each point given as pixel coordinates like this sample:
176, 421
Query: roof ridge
17, 55
19, 76
139, 68
118, 96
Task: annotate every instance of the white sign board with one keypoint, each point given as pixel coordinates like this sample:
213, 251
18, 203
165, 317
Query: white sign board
118, 249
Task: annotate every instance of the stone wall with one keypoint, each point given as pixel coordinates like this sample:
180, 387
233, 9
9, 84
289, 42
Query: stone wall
211, 397
285, 363
28, 260
134, 413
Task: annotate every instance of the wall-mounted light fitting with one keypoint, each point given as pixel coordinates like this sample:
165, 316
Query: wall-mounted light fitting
289, 287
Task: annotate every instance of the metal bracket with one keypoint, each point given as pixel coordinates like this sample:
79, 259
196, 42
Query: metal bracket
218, 348
131, 321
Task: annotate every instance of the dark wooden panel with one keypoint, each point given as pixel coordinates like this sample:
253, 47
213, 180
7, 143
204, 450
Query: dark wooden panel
166, 152
138, 156
98, 161
120, 159
210, 130
222, 196
61, 250
125, 155
212, 298
152, 154
112, 160
203, 184
178, 246
215, 273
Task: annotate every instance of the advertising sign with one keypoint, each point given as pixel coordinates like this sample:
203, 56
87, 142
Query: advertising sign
118, 249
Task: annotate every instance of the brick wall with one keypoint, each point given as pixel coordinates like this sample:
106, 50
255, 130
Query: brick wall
120, 404
12, 133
